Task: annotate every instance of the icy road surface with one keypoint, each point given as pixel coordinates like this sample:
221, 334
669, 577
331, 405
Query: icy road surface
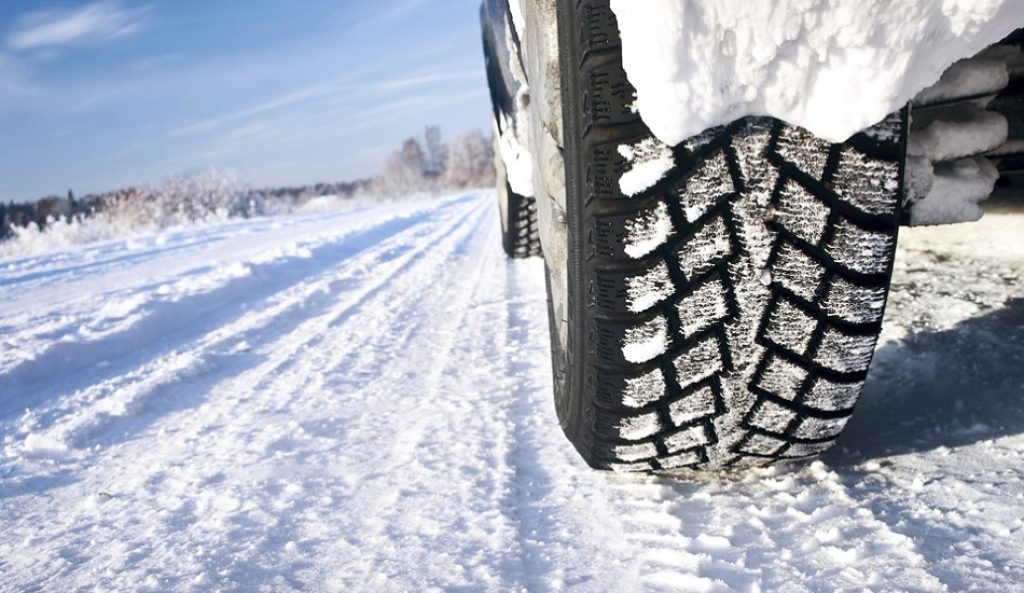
361, 402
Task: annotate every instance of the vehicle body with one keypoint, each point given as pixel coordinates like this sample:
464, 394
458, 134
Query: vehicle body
717, 272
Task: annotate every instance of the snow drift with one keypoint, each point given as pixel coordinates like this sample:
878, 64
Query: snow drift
833, 67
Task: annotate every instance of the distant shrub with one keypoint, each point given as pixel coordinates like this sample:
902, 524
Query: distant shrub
467, 161
208, 197
416, 169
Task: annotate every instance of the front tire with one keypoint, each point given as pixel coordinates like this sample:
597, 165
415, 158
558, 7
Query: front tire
727, 314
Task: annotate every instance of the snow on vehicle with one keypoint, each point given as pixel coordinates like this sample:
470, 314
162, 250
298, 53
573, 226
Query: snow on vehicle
716, 187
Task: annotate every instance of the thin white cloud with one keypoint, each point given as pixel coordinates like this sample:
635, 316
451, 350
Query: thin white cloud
276, 103
402, 8
424, 79
99, 21
394, 11
409, 106
340, 121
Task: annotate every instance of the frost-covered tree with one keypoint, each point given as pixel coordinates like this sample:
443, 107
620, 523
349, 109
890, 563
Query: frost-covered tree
211, 195
404, 171
437, 152
470, 162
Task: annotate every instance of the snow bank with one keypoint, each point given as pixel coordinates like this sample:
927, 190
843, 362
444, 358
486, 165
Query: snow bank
104, 226
60, 234
834, 67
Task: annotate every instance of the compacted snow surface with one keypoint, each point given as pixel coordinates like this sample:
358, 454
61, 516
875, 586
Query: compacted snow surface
361, 402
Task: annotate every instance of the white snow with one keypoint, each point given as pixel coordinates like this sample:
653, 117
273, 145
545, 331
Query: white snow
646, 341
640, 427
956, 190
648, 161
948, 171
648, 231
513, 132
325, 423
963, 130
967, 78
36, 445
643, 390
515, 9
517, 160
648, 289
833, 67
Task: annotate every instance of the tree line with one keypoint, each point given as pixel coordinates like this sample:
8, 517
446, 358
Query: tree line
435, 165
420, 166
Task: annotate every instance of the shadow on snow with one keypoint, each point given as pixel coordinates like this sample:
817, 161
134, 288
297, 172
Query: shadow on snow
947, 388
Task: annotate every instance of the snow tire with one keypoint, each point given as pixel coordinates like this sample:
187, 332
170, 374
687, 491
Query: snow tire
520, 235
727, 315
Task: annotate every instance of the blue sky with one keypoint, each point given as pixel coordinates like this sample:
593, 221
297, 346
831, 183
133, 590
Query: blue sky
97, 95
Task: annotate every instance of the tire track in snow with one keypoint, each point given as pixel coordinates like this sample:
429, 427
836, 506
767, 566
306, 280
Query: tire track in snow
777, 529
140, 317
34, 315
568, 533
386, 469
935, 449
117, 262
226, 422
449, 423
205, 359
789, 528
330, 419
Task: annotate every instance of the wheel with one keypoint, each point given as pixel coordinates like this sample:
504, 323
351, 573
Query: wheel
519, 232
519, 235
724, 312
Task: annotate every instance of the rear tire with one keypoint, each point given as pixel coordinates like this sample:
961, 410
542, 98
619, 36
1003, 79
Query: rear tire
519, 232
728, 314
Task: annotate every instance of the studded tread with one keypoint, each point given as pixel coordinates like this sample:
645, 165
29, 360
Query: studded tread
762, 299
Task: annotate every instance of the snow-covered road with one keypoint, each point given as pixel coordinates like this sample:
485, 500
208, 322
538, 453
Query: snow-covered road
361, 402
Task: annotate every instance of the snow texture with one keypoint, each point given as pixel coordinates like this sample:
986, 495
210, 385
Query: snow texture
648, 161
968, 77
948, 171
516, 157
279, 405
647, 341
956, 190
648, 289
513, 132
515, 10
648, 231
959, 131
833, 67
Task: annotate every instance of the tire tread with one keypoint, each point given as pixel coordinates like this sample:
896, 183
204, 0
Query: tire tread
843, 226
